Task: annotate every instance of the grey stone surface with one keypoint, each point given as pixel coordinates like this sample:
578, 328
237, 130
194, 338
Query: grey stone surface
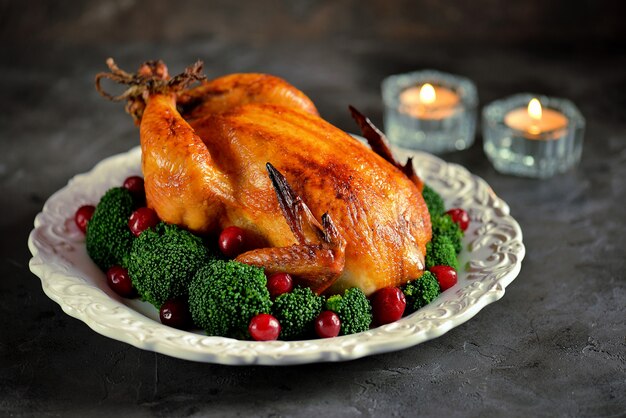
553, 346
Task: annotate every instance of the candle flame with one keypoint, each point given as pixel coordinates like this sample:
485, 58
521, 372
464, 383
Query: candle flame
534, 109
427, 94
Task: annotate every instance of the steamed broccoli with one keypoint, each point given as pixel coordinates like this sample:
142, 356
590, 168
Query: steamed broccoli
225, 295
445, 226
433, 201
163, 261
108, 237
440, 251
421, 292
354, 310
296, 311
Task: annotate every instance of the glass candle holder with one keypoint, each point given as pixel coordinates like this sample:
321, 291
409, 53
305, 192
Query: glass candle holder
430, 111
541, 145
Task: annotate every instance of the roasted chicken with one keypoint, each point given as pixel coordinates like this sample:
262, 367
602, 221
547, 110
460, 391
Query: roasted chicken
250, 150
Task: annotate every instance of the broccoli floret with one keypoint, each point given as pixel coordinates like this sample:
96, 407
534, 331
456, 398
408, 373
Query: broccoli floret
296, 311
421, 292
108, 239
225, 295
434, 202
440, 251
354, 310
163, 261
445, 226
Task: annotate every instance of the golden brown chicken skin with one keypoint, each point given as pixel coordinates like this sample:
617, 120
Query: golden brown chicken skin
233, 90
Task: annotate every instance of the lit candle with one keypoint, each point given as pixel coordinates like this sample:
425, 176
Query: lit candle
430, 111
428, 101
534, 121
525, 137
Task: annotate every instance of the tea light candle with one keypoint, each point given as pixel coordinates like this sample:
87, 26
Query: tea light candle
430, 111
534, 120
428, 101
532, 136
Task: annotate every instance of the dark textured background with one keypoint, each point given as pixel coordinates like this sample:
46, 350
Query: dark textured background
553, 346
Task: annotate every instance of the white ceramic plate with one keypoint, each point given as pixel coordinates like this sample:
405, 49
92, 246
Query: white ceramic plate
492, 256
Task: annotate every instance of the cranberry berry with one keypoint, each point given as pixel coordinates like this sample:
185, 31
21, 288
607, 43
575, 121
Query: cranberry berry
459, 216
232, 242
175, 313
142, 219
327, 325
119, 280
83, 215
264, 327
279, 283
388, 305
135, 185
446, 276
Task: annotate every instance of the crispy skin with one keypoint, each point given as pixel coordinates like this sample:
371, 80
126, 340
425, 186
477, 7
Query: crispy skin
210, 173
233, 90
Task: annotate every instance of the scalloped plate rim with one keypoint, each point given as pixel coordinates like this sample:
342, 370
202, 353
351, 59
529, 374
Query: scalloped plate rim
264, 353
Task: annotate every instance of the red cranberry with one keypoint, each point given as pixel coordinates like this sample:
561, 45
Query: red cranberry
135, 185
142, 219
279, 283
83, 215
459, 216
264, 327
388, 305
446, 276
327, 324
175, 313
119, 280
231, 241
